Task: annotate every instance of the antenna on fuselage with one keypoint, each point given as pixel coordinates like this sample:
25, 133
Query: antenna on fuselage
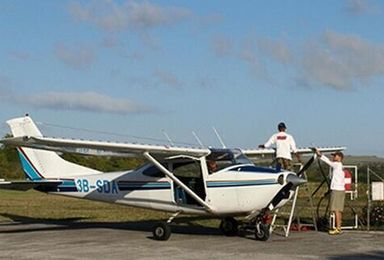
198, 139
218, 137
168, 138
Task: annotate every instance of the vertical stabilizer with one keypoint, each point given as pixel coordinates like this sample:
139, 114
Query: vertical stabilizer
39, 164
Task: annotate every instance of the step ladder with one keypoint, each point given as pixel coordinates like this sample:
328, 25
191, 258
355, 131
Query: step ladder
292, 213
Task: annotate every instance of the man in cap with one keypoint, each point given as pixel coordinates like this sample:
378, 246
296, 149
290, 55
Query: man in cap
337, 188
285, 144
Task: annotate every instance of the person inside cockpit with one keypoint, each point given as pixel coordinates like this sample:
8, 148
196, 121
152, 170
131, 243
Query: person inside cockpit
212, 166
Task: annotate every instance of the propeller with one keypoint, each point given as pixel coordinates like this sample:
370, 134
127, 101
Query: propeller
306, 166
293, 180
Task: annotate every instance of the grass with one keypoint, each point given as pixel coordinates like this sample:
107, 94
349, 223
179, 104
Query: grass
36, 207
16, 205
33, 206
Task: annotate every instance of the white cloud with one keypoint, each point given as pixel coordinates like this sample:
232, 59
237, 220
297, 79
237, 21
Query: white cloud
332, 59
358, 7
256, 52
75, 57
249, 52
77, 101
342, 61
129, 15
275, 49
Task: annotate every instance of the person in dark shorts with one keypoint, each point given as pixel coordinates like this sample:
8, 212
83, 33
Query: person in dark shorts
285, 144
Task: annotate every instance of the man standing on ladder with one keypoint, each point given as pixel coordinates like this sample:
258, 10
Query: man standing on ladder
337, 187
284, 145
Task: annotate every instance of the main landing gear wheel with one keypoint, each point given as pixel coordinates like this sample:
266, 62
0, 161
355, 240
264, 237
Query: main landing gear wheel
161, 231
262, 232
228, 226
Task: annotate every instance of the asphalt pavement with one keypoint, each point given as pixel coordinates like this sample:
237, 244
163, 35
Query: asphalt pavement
133, 240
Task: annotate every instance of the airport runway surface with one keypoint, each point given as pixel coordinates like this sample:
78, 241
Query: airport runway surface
71, 240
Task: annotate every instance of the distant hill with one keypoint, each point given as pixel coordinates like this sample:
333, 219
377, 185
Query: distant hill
10, 166
352, 159
362, 162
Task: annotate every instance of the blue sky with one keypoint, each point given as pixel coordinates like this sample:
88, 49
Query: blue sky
137, 68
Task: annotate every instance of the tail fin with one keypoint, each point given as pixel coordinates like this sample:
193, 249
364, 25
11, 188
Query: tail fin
39, 164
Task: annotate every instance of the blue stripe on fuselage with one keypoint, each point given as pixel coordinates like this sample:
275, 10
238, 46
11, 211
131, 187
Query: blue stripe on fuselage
70, 186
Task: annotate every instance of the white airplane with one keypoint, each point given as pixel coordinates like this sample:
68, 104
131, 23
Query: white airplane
222, 183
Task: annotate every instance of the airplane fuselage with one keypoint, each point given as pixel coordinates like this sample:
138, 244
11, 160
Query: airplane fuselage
236, 190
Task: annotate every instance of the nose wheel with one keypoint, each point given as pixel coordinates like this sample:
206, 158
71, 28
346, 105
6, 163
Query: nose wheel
259, 225
262, 232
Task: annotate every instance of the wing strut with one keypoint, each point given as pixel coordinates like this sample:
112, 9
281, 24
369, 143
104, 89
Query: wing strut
180, 183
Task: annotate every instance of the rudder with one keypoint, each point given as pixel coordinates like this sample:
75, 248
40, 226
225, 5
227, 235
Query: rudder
40, 164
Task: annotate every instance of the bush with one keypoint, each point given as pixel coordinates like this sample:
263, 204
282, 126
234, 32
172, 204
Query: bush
377, 215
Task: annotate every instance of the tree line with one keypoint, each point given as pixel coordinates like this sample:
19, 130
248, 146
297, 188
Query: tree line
10, 167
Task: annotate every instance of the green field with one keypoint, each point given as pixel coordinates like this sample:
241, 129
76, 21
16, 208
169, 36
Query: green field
34, 207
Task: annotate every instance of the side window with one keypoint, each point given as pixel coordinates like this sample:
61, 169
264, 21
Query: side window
153, 171
223, 164
187, 169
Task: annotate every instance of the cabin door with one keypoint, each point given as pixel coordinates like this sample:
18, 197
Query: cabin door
189, 172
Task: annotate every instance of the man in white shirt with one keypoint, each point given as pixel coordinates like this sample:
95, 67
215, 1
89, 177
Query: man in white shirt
337, 188
285, 144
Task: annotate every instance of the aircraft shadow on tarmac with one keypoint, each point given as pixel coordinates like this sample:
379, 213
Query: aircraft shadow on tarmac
29, 224
377, 254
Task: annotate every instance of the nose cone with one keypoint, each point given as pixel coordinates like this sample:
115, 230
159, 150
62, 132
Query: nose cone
295, 180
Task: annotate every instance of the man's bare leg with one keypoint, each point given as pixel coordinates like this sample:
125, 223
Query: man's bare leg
338, 215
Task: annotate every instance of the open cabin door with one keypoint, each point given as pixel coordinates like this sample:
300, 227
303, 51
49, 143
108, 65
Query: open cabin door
189, 172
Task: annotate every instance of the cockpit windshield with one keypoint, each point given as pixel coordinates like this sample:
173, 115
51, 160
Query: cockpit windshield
227, 157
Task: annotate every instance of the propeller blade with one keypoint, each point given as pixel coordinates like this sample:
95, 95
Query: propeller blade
306, 166
293, 181
282, 194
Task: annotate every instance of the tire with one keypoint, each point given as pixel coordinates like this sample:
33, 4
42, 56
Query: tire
229, 226
262, 234
161, 231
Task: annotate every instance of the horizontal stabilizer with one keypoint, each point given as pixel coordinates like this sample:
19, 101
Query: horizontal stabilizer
26, 185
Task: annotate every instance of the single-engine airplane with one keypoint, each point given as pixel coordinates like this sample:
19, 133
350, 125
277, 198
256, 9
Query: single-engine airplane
222, 183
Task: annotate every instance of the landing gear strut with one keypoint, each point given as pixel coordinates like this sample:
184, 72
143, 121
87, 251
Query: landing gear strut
162, 230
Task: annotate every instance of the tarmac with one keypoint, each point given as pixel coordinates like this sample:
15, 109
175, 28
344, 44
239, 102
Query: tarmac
133, 240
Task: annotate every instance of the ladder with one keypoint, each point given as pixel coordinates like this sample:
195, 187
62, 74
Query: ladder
293, 214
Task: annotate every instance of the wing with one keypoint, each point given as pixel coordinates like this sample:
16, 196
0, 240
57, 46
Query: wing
100, 147
263, 153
